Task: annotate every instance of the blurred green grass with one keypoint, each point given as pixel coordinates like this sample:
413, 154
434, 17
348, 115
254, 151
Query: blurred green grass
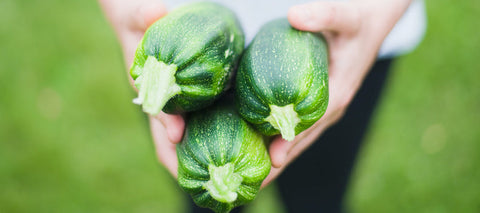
72, 141
423, 152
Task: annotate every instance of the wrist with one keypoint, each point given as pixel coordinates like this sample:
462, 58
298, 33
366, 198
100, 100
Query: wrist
378, 17
382, 15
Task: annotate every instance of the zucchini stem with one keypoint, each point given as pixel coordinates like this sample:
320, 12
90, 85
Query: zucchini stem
223, 183
156, 85
284, 119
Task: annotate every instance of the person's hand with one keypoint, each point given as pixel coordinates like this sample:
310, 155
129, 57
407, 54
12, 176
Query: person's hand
130, 19
354, 32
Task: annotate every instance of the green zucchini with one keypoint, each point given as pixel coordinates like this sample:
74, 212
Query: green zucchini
185, 60
222, 160
282, 80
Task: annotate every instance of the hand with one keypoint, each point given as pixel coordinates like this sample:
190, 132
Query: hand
130, 20
354, 32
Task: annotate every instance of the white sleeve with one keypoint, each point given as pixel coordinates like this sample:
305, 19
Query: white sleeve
252, 14
407, 33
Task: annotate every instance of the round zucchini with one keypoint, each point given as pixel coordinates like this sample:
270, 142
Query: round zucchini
282, 80
185, 60
222, 160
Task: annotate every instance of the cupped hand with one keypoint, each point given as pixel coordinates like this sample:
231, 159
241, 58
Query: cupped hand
130, 20
354, 32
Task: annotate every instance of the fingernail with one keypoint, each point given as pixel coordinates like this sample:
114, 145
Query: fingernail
171, 134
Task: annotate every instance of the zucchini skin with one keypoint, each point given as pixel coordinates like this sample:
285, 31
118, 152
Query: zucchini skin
283, 66
218, 136
204, 41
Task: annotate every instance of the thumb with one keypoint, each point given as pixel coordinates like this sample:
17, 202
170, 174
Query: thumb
325, 16
136, 18
166, 151
278, 151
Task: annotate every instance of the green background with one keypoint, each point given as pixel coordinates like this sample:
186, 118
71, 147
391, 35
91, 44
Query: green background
72, 141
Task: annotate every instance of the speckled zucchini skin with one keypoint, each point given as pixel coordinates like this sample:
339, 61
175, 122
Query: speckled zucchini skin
204, 40
217, 136
283, 66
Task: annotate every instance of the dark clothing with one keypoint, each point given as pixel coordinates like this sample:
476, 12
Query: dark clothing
317, 180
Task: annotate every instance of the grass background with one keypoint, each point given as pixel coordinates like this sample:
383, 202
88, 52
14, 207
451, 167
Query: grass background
71, 141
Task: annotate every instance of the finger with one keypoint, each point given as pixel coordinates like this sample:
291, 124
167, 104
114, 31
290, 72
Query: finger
278, 151
166, 151
174, 125
306, 139
138, 18
145, 14
274, 172
325, 16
